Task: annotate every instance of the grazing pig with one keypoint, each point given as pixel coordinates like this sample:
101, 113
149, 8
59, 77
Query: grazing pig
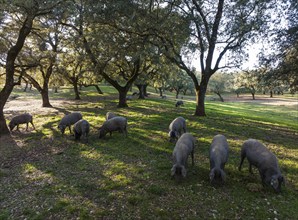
110, 115
21, 119
266, 162
69, 120
81, 128
179, 103
218, 154
177, 128
117, 123
184, 147
129, 97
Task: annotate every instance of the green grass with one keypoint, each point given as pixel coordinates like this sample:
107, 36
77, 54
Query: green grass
46, 176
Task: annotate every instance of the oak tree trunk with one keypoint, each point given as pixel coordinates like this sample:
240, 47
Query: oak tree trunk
98, 89
141, 91
160, 91
76, 90
4, 94
220, 97
177, 93
26, 86
122, 98
200, 99
10, 68
145, 90
45, 98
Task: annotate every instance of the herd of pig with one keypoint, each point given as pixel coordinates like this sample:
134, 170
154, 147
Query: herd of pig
255, 152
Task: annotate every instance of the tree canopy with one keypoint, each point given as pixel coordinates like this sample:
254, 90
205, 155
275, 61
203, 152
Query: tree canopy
131, 42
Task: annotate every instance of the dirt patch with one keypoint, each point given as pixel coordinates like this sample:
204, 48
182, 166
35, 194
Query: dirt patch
33, 106
265, 100
22, 104
259, 99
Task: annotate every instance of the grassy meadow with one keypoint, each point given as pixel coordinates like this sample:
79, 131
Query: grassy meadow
46, 176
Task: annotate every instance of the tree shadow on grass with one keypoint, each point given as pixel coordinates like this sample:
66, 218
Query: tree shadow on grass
11, 152
69, 178
62, 110
70, 172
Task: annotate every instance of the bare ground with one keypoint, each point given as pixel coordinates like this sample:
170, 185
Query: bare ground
30, 104
33, 106
265, 100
